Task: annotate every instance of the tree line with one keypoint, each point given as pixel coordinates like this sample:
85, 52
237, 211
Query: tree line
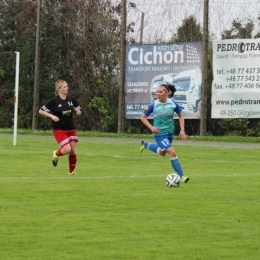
80, 43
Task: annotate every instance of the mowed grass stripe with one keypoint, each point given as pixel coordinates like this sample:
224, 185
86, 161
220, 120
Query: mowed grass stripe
118, 206
204, 176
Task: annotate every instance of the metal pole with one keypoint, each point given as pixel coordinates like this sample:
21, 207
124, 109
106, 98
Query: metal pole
142, 28
16, 96
142, 21
36, 69
121, 101
203, 119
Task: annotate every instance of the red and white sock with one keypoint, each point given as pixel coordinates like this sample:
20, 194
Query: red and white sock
72, 162
58, 153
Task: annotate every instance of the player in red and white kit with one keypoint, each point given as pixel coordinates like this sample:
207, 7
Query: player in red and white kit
60, 109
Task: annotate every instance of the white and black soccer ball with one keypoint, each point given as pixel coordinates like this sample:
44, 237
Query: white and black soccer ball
173, 180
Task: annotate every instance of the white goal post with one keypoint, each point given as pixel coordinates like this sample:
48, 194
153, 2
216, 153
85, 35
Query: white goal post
17, 54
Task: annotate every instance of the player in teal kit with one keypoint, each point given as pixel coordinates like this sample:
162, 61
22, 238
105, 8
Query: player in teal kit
163, 110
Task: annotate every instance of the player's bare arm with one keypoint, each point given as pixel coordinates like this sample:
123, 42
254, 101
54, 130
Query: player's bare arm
46, 114
145, 121
77, 111
182, 127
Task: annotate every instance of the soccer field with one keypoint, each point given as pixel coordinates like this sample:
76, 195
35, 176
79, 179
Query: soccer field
118, 206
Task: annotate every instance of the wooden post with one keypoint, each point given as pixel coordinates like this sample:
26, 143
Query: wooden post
204, 94
35, 122
121, 101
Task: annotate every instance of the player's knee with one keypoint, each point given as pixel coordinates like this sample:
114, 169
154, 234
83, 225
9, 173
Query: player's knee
67, 149
162, 153
172, 153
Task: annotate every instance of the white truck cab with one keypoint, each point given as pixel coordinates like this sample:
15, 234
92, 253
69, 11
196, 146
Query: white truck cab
156, 82
188, 89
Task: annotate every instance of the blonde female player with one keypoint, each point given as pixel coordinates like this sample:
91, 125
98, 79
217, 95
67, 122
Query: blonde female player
163, 110
60, 109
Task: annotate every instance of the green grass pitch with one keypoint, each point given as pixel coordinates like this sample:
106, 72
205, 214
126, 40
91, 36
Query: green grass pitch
118, 206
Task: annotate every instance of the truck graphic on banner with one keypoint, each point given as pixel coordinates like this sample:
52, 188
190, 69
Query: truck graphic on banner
157, 81
188, 89
149, 65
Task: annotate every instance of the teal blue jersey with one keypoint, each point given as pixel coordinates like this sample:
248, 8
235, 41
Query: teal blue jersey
163, 114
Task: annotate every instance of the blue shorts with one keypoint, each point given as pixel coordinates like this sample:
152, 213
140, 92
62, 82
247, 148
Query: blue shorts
164, 141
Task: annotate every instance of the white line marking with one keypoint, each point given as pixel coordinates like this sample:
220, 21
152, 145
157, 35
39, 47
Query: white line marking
76, 177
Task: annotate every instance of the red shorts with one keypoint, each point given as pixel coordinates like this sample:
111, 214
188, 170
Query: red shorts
64, 137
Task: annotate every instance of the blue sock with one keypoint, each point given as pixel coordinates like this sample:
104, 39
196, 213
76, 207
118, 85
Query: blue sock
151, 147
177, 166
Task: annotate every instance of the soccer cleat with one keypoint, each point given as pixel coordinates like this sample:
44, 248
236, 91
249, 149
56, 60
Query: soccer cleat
55, 159
71, 173
142, 146
185, 179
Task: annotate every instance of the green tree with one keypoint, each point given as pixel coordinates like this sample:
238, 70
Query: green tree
189, 31
79, 43
258, 32
2, 73
90, 34
17, 22
239, 30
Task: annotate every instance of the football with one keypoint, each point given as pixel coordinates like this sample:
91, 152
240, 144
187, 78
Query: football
173, 180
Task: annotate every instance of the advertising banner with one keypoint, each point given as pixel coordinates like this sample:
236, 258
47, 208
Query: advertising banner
236, 84
149, 65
